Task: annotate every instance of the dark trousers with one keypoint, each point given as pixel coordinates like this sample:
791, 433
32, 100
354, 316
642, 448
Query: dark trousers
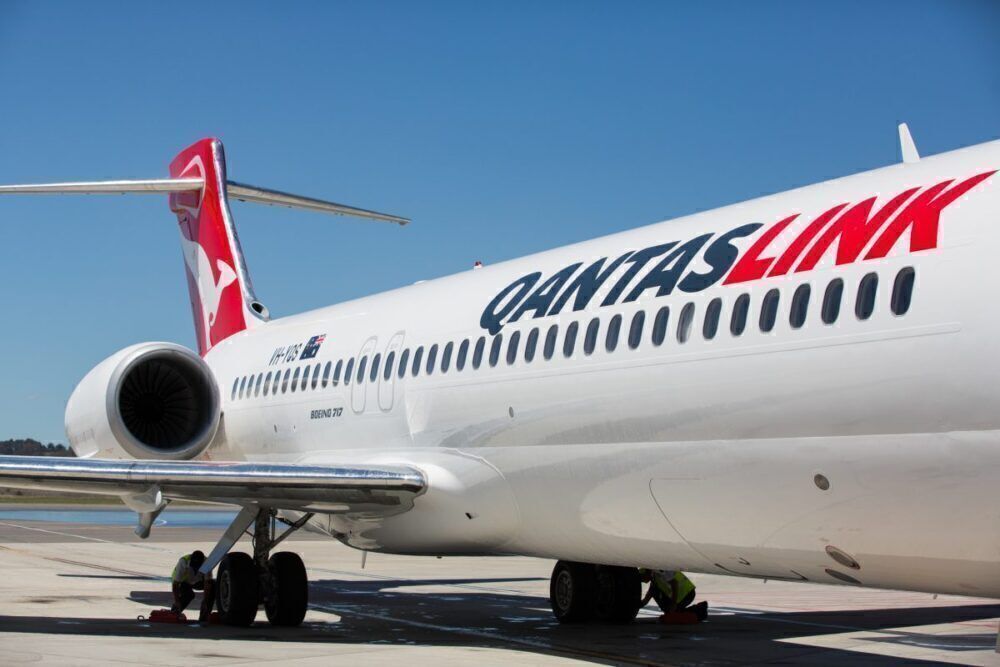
183, 594
664, 601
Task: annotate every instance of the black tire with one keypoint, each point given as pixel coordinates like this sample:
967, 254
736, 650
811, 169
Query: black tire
286, 606
571, 591
236, 589
618, 594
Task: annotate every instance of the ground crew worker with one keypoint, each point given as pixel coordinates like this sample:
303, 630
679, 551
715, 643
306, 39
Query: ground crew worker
186, 579
673, 592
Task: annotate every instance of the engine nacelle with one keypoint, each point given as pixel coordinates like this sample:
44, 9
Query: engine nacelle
148, 401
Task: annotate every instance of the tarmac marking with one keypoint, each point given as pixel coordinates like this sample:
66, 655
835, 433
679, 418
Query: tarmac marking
481, 633
485, 634
344, 611
82, 537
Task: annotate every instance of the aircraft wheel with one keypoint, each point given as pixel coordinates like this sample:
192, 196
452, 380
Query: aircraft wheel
571, 591
290, 593
236, 592
618, 594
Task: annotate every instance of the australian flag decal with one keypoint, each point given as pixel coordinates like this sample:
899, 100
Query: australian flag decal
312, 347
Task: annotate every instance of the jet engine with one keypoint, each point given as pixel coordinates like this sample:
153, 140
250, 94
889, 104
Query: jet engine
148, 401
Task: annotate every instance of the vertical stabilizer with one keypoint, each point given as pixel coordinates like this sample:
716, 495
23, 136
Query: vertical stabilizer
222, 298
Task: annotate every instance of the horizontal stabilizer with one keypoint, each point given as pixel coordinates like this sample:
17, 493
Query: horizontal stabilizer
241, 191
149, 186
257, 195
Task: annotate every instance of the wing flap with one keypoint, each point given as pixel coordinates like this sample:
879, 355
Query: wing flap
355, 489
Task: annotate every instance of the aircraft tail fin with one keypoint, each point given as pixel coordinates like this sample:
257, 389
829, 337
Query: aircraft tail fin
212, 255
222, 297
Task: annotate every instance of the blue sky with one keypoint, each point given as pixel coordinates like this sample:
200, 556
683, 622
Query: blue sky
501, 128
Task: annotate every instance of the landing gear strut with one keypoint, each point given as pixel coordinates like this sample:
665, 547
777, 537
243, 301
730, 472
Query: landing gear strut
581, 592
277, 580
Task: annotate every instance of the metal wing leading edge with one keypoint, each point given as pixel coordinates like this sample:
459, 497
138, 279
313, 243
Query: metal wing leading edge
146, 486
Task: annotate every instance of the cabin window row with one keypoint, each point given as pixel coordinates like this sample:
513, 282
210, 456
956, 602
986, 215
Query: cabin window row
441, 359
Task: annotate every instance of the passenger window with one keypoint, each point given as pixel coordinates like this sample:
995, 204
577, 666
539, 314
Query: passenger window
243, 385
495, 349
590, 338
477, 355
295, 378
800, 306
326, 373
305, 378
256, 386
570, 341
277, 380
512, 345
769, 310
463, 353
530, 345
660, 325
336, 372
417, 358
831, 301
684, 323
389, 360
446, 357
349, 371
404, 360
712, 314
738, 322
267, 384
865, 305
236, 385
550, 342
362, 365
315, 381
614, 328
635, 330
432, 354
376, 360
284, 380
902, 291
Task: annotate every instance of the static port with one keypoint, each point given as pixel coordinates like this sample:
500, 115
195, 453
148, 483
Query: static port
822, 483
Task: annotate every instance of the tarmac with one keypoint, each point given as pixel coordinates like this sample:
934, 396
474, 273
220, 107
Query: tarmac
74, 593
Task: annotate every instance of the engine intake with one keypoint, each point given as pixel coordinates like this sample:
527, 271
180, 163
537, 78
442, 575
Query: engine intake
149, 401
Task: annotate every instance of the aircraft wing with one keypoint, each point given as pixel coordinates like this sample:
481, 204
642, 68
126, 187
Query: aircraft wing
145, 486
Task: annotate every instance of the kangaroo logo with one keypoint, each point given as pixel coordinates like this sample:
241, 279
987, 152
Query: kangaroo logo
209, 291
198, 262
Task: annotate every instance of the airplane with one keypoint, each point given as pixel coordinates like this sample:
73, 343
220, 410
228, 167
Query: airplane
800, 387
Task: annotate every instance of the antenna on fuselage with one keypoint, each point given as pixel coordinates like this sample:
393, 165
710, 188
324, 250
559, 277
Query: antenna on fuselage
906, 145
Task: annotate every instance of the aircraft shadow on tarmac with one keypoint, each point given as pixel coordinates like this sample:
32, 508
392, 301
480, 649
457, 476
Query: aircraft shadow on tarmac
391, 611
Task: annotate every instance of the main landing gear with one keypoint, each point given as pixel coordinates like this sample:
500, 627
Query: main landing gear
581, 592
276, 580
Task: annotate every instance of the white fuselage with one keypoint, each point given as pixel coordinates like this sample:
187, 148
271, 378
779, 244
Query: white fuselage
707, 455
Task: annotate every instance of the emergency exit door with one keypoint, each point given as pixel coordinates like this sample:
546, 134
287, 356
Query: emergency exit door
360, 388
388, 375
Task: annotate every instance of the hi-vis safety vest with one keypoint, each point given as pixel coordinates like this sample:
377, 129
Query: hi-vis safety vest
183, 573
684, 585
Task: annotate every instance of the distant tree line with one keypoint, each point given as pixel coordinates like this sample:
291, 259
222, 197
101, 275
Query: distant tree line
29, 447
